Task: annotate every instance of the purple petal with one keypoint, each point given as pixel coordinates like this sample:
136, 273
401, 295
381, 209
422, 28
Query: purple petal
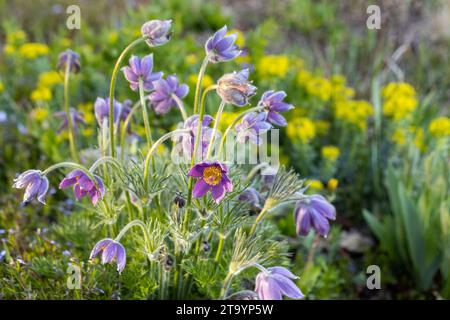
42, 190
218, 192
200, 188
277, 119
99, 246
287, 287
197, 170
146, 65
282, 271
109, 252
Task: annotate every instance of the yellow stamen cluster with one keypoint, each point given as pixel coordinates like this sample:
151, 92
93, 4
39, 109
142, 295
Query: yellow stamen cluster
212, 175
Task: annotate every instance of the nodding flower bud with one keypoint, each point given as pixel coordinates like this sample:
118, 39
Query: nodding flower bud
179, 201
235, 88
156, 32
206, 246
70, 57
168, 262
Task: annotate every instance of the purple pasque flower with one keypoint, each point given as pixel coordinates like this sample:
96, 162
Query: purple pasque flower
35, 185
156, 32
74, 58
211, 176
272, 101
314, 211
275, 282
111, 251
162, 99
83, 185
251, 196
186, 141
252, 125
235, 88
221, 47
101, 108
141, 69
76, 119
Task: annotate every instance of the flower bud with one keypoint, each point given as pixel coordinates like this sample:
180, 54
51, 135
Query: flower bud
156, 32
70, 57
235, 88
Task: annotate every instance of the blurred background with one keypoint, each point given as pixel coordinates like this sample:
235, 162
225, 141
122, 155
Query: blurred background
370, 129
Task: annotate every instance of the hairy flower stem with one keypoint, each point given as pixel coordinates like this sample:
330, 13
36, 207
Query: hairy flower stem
254, 171
231, 274
148, 131
123, 130
71, 165
102, 160
312, 251
73, 148
111, 93
131, 224
216, 125
180, 105
155, 146
267, 206
198, 86
231, 126
194, 153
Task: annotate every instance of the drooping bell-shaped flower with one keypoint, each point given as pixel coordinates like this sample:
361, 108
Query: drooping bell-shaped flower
101, 107
221, 47
313, 212
156, 32
76, 118
235, 88
275, 282
251, 127
70, 57
186, 141
83, 185
211, 176
273, 104
35, 185
141, 69
111, 251
162, 99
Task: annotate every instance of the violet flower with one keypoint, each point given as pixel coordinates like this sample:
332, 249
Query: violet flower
212, 176
235, 88
252, 125
83, 185
156, 32
35, 185
221, 47
76, 119
252, 197
186, 142
162, 100
141, 69
101, 107
111, 251
313, 212
276, 282
64, 57
272, 101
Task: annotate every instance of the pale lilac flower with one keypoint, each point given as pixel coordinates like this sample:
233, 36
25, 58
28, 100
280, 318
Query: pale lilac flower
251, 127
101, 107
251, 196
156, 32
275, 282
221, 47
272, 101
211, 176
141, 70
186, 141
77, 119
235, 88
64, 57
83, 185
314, 212
161, 99
35, 185
111, 251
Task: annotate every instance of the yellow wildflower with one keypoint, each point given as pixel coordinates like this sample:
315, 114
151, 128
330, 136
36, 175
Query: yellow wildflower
399, 137
399, 100
206, 81
16, 36
330, 153
41, 94
40, 114
332, 184
314, 184
49, 79
320, 87
191, 59
354, 112
303, 76
273, 66
322, 127
440, 127
33, 50
227, 118
87, 132
9, 49
302, 129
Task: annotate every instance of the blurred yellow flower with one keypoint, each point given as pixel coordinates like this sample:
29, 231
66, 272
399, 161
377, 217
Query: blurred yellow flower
399, 100
411, 134
330, 153
314, 184
191, 59
113, 36
354, 112
16, 36
2, 87
49, 79
226, 120
206, 81
87, 132
303, 76
320, 87
41, 94
33, 50
273, 66
440, 127
9, 49
86, 107
301, 129
40, 114
399, 137
332, 184
322, 127
240, 40
88, 117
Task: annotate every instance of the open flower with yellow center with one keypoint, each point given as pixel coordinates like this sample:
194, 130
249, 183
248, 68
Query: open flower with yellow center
211, 176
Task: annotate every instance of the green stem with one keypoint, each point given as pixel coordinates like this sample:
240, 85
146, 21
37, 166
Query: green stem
258, 220
131, 224
254, 171
231, 126
123, 132
155, 146
198, 86
216, 125
148, 131
219, 249
73, 149
180, 106
111, 93
104, 160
